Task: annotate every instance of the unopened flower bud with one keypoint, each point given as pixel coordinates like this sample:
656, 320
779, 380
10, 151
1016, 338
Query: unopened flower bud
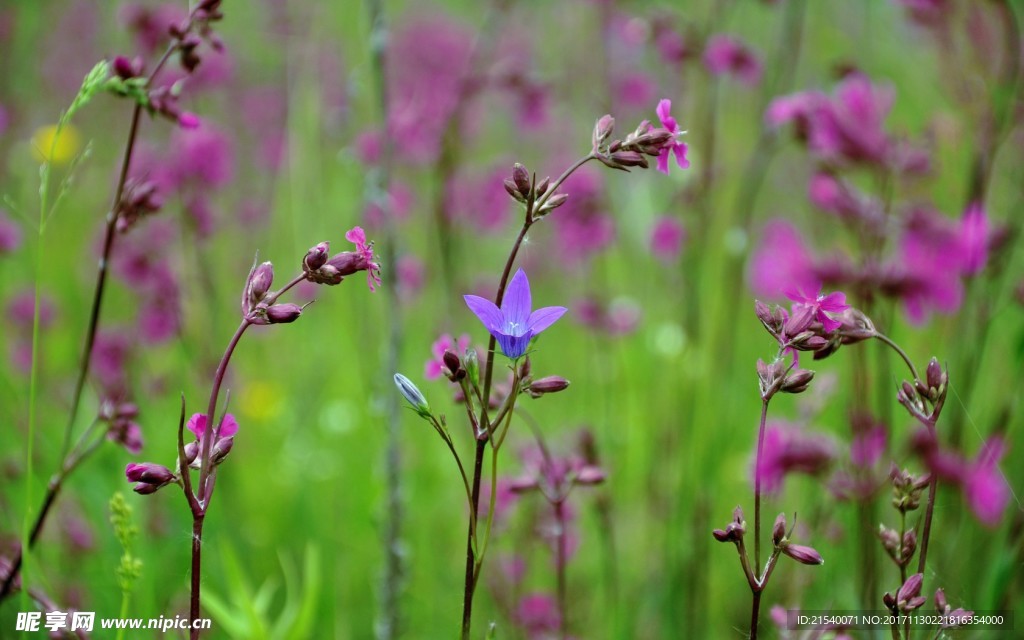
149, 473
191, 452
602, 130
526, 368
940, 601
909, 545
283, 313
472, 365
316, 257
454, 365
221, 449
936, 377
554, 202
542, 187
889, 601
890, 539
548, 384
802, 554
797, 381
909, 597
127, 69
512, 190
629, 159
412, 395
779, 529
521, 178
258, 285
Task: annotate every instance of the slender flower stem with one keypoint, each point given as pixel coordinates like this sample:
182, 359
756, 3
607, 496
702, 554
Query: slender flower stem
903, 354
55, 484
757, 483
486, 429
560, 560
926, 531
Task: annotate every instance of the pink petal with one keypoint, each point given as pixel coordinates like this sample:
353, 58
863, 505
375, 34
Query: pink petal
228, 426
663, 161
356, 236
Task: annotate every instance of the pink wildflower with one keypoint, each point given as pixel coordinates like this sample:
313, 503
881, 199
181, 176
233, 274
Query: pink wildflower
821, 305
674, 146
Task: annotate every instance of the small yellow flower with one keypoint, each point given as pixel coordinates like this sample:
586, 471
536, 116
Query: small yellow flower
63, 151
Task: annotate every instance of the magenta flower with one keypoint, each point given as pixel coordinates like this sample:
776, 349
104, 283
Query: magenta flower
781, 261
364, 250
667, 239
10, 232
974, 240
675, 146
514, 325
435, 367
984, 486
197, 425
725, 55
821, 305
789, 449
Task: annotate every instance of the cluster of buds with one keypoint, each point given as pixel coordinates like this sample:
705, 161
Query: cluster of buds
541, 386
525, 189
164, 101
908, 597
901, 551
139, 199
259, 304
803, 330
924, 399
555, 477
223, 440
121, 426
907, 489
951, 616
777, 376
646, 140
188, 35
322, 268
733, 531
801, 553
149, 477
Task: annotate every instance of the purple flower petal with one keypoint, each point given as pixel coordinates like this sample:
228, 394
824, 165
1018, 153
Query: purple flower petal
487, 311
541, 319
197, 424
664, 106
680, 150
834, 302
228, 426
516, 304
663, 161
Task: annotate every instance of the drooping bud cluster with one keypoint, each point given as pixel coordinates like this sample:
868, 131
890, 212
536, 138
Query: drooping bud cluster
733, 531
259, 304
121, 426
907, 489
643, 142
331, 271
900, 550
525, 189
924, 399
801, 553
149, 477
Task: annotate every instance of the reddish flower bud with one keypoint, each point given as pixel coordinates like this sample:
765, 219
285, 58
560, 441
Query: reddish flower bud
629, 159
283, 313
554, 202
797, 381
803, 554
590, 475
316, 257
549, 384
936, 376
779, 529
602, 130
148, 472
221, 449
127, 69
542, 188
512, 190
521, 178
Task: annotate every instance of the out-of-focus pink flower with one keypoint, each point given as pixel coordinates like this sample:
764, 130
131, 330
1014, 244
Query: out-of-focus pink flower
202, 156
428, 60
797, 108
667, 239
400, 201
868, 446
781, 262
790, 449
150, 24
928, 267
984, 485
675, 146
928, 13
21, 309
197, 425
670, 44
409, 272
435, 368
582, 226
538, 615
636, 89
838, 198
481, 199
974, 240
110, 353
726, 55
10, 233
